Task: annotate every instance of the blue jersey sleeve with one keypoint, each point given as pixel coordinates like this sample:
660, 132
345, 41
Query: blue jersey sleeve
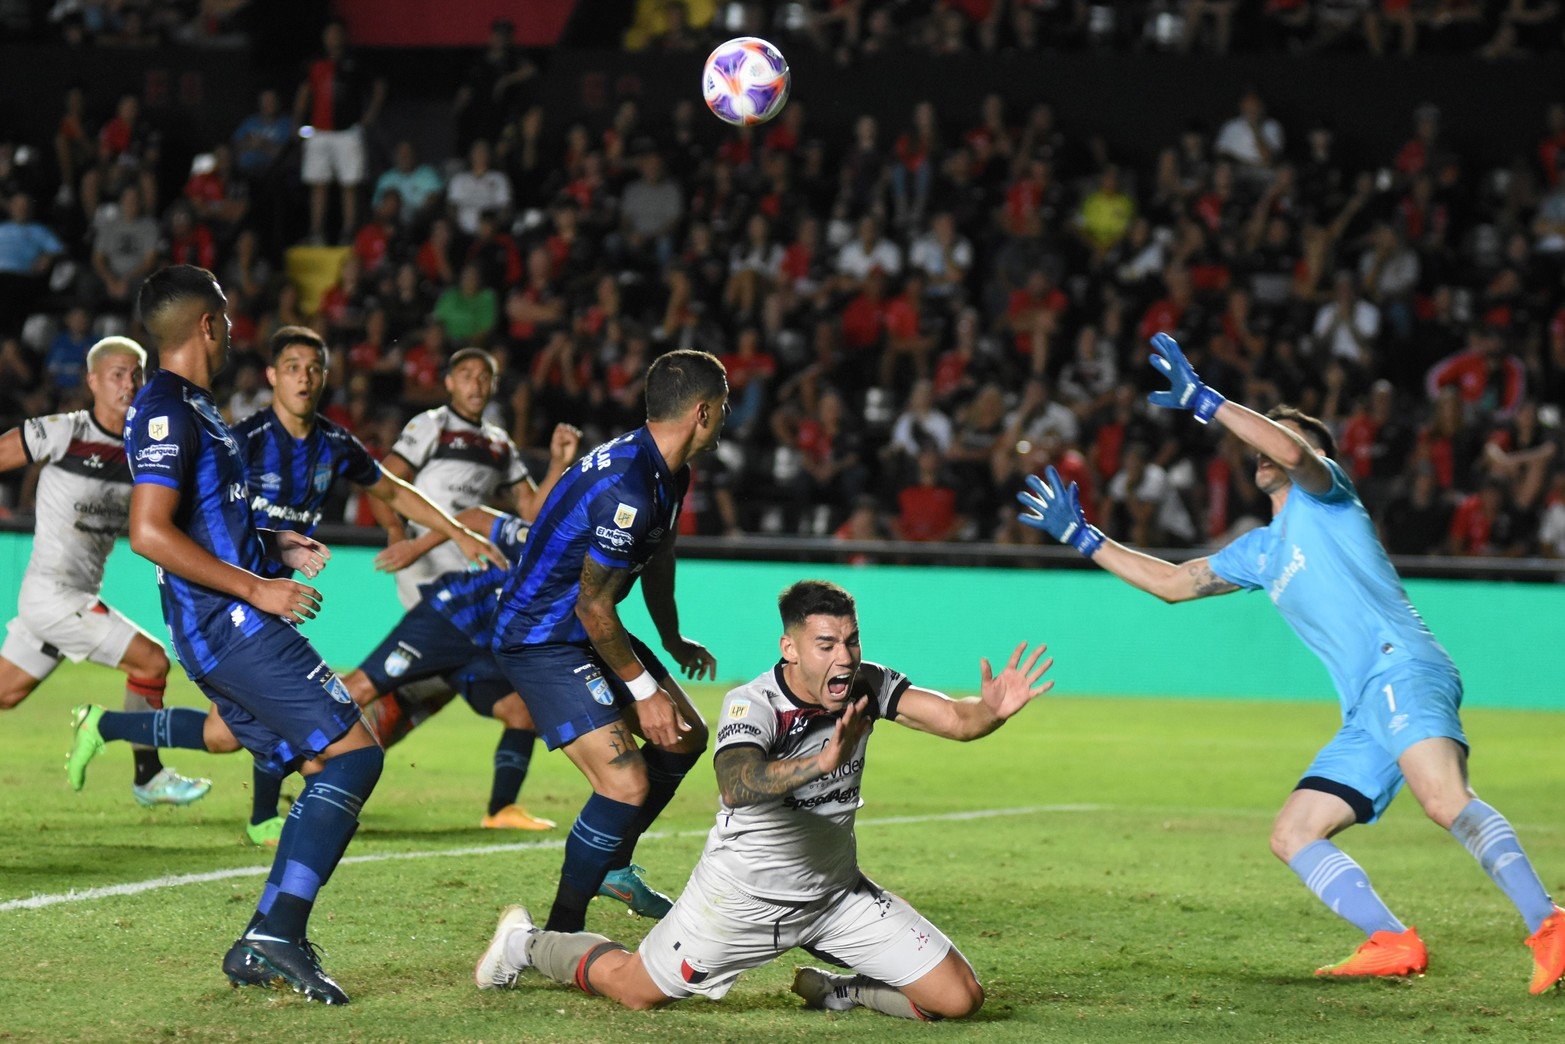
1341, 486
618, 520
1238, 562
358, 466
161, 443
509, 533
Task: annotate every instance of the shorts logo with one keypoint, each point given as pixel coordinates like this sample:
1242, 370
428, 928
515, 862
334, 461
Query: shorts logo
624, 515
601, 693
616, 538
155, 453
691, 974
738, 708
157, 429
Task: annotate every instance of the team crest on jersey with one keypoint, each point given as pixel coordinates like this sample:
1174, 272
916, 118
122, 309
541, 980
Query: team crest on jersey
398, 662
738, 708
157, 429
624, 515
322, 478
601, 693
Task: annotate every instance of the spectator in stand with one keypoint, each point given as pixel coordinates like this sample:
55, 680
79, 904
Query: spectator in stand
250, 394
73, 146
493, 91
1522, 454
127, 155
477, 189
1389, 271
337, 101
1252, 141
863, 524
944, 256
1347, 326
1105, 215
189, 242
1491, 382
1140, 499
1417, 521
417, 183
927, 505
1551, 530
28, 249
1448, 443
124, 250
65, 362
495, 252
868, 251
750, 371
219, 197
651, 210
921, 426
262, 137
469, 310
1488, 524
379, 244
424, 368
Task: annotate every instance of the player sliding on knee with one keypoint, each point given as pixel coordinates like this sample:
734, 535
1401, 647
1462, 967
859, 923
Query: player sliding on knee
1325, 570
83, 503
780, 869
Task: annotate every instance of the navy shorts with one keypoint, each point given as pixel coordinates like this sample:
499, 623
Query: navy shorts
568, 689
278, 697
425, 644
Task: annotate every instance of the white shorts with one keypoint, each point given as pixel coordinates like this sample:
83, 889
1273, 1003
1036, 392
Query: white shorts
88, 630
716, 931
334, 156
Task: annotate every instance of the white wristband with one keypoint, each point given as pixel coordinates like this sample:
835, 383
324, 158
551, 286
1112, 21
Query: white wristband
642, 686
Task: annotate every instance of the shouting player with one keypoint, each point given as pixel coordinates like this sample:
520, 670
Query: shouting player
83, 505
233, 627
459, 460
1325, 570
589, 684
780, 868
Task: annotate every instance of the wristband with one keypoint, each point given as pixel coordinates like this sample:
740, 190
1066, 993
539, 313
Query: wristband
1087, 540
643, 686
1207, 402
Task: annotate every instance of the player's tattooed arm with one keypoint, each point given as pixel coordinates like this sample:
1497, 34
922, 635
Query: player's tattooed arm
1197, 578
601, 588
746, 777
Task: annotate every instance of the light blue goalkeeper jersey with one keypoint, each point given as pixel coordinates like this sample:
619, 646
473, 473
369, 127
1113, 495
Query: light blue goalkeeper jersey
1322, 564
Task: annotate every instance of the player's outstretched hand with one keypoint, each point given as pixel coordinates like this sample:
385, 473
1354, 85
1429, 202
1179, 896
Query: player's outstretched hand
1185, 392
398, 556
285, 598
851, 728
1016, 686
660, 720
565, 445
480, 553
301, 553
693, 658
1055, 508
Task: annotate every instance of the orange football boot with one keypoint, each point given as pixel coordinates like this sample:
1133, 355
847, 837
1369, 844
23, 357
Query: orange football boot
1548, 952
515, 817
1385, 953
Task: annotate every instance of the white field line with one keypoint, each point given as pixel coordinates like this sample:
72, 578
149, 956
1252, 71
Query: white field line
177, 880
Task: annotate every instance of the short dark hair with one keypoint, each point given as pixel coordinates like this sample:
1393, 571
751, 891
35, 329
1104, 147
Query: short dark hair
287, 336
680, 379
461, 356
1315, 429
175, 285
809, 598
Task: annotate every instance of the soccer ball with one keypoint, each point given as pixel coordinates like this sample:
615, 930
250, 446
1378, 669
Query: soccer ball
745, 81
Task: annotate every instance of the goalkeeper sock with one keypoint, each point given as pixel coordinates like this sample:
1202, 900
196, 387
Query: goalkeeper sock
665, 771
1489, 837
139, 694
169, 727
594, 839
266, 790
1343, 886
562, 956
512, 757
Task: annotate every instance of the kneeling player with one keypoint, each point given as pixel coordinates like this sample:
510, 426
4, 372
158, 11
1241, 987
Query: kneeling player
780, 867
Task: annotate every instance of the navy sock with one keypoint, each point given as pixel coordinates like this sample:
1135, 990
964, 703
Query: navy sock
266, 789
665, 771
169, 727
279, 860
328, 816
511, 758
594, 839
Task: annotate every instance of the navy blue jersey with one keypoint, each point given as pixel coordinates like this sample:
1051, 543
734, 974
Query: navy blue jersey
175, 437
290, 478
468, 600
617, 505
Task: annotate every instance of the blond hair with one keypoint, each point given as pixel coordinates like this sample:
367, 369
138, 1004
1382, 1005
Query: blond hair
115, 345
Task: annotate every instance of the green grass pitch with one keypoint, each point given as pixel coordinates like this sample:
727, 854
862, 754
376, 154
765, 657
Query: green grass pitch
1135, 901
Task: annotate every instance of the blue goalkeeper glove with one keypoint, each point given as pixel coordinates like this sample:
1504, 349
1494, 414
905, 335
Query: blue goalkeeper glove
1057, 511
1186, 391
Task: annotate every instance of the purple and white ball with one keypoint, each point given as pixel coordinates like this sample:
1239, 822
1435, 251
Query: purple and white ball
745, 81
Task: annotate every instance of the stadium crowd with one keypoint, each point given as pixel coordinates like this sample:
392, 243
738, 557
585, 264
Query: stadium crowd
913, 317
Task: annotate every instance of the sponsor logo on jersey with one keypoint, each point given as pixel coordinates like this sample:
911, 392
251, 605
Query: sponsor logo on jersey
1292, 569
738, 708
737, 728
846, 795
237, 491
617, 538
157, 428
157, 452
624, 515
601, 693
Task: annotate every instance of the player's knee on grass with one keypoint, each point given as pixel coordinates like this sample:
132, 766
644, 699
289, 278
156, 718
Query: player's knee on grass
623, 978
950, 991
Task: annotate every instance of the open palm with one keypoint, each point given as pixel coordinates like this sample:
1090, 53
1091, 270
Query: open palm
1016, 686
